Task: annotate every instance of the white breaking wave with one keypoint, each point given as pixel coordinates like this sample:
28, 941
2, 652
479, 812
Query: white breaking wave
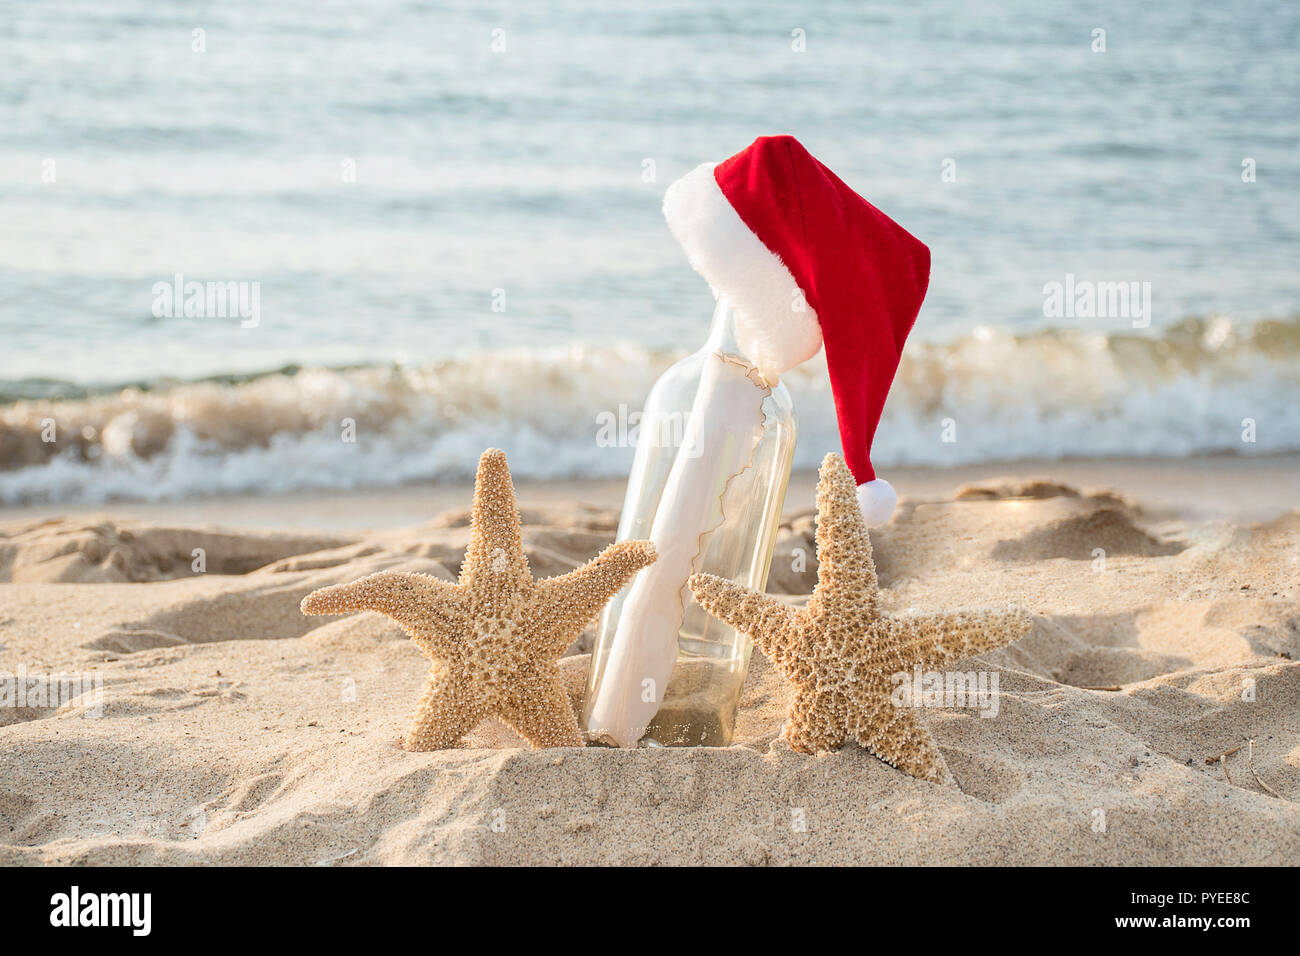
1201, 386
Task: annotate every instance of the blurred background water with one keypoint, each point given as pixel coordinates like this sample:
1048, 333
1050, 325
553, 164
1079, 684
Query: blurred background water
516, 154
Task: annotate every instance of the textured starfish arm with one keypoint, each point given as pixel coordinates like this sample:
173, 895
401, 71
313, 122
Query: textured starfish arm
935, 638
424, 605
568, 602
895, 734
813, 724
846, 568
447, 711
766, 620
539, 711
494, 561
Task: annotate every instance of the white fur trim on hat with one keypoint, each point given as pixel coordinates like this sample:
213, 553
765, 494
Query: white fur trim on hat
877, 499
776, 328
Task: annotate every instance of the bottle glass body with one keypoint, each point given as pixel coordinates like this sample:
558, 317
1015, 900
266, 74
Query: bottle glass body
740, 465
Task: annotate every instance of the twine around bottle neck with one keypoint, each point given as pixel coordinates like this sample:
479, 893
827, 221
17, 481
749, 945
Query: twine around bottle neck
722, 340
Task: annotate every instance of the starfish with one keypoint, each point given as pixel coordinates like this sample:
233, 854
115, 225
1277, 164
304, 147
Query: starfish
841, 652
495, 636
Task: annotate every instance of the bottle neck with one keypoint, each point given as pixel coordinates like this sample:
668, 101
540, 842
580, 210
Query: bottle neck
723, 341
722, 333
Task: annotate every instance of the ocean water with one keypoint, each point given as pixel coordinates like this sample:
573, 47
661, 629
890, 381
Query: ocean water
451, 216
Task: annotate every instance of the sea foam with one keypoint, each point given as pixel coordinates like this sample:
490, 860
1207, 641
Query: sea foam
1205, 385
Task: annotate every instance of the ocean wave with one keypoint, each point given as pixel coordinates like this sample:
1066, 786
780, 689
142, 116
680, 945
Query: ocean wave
1205, 385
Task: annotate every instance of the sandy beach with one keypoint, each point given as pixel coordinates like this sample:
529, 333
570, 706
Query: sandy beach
223, 726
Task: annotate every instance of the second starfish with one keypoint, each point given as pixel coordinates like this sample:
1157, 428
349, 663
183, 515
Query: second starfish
841, 652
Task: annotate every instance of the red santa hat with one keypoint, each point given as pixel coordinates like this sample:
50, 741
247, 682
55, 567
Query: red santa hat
803, 260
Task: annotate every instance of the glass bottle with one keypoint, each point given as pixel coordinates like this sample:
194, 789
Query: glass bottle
715, 445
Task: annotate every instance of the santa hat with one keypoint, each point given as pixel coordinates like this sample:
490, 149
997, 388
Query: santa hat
803, 260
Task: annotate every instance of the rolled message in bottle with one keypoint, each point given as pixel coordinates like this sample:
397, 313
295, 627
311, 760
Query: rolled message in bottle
722, 430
